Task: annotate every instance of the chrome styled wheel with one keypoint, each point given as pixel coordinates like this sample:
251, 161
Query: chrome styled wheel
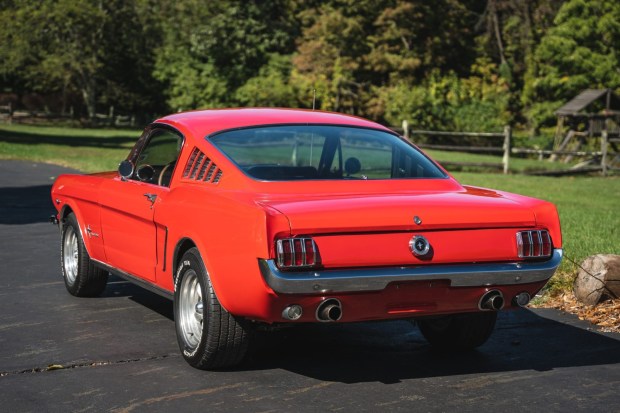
82, 277
191, 310
70, 255
209, 337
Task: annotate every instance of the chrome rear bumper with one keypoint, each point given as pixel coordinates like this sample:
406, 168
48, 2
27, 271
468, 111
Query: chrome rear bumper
376, 279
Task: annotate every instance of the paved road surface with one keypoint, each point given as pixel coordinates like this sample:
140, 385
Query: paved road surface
119, 351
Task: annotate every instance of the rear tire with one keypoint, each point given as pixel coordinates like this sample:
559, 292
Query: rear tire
458, 331
82, 277
209, 337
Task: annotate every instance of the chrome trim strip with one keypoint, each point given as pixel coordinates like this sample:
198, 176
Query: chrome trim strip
376, 279
315, 252
165, 249
147, 285
280, 252
302, 245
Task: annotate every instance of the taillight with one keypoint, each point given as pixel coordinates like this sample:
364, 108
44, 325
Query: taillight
533, 244
296, 253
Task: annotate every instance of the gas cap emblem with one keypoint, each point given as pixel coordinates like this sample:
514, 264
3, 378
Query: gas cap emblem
419, 246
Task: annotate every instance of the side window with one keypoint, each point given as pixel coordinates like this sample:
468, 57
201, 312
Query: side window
157, 160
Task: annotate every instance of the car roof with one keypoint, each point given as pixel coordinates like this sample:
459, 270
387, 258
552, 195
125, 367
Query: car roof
206, 122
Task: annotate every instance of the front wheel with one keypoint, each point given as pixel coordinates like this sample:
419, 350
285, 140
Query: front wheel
458, 331
82, 277
209, 336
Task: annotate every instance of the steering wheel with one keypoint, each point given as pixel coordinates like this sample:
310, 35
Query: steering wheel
160, 180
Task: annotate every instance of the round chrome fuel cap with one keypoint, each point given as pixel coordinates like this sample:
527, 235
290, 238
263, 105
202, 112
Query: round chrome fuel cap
419, 246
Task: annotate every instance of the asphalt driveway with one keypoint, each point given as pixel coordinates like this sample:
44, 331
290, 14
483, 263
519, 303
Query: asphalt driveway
119, 352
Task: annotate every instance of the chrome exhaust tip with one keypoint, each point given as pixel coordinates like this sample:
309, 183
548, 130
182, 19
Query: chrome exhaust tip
521, 299
491, 301
329, 310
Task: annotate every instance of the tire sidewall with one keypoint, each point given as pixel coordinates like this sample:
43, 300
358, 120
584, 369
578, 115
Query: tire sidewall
71, 222
191, 261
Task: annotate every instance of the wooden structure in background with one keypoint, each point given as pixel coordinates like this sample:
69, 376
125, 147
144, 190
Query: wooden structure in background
593, 115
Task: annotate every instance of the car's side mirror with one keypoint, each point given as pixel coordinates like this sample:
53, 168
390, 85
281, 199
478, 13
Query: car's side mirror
125, 169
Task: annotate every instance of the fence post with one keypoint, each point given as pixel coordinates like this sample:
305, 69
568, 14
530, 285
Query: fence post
10, 118
604, 152
506, 147
406, 129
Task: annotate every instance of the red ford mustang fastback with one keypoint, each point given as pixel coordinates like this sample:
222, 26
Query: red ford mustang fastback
247, 217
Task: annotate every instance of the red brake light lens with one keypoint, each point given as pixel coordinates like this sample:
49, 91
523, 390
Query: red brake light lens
296, 253
534, 244
284, 255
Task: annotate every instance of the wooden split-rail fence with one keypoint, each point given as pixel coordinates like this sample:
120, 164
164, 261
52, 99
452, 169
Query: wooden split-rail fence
506, 150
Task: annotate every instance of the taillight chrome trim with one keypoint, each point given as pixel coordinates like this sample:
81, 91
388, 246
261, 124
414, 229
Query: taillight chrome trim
534, 244
294, 253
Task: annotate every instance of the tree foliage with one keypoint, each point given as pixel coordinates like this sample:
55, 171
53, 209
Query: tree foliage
83, 46
222, 46
580, 51
446, 64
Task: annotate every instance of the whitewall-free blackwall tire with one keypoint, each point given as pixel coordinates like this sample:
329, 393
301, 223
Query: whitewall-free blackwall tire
209, 337
82, 277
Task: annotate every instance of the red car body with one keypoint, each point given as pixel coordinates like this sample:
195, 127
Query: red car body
359, 230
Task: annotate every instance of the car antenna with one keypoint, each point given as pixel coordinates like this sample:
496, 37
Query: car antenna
313, 98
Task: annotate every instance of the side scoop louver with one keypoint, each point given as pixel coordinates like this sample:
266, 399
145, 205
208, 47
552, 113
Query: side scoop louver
200, 168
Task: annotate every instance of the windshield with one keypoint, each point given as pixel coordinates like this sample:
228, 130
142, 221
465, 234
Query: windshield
297, 152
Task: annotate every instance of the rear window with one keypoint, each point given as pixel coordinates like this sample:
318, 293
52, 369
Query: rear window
298, 152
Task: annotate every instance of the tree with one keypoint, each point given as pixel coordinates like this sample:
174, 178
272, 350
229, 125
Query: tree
82, 45
413, 38
581, 50
222, 45
271, 86
62, 48
330, 55
444, 101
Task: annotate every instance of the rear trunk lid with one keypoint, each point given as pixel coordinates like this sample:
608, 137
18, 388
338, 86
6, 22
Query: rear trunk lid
470, 209
471, 225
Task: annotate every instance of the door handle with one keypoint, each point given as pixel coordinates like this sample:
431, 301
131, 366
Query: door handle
151, 197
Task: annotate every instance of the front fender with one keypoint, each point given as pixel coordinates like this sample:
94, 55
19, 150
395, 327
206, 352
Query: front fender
79, 194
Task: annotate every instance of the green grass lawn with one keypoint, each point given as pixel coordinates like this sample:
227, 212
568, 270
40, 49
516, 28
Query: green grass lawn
589, 207
517, 164
89, 150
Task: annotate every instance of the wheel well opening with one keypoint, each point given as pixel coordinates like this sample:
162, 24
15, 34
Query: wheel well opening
64, 213
182, 247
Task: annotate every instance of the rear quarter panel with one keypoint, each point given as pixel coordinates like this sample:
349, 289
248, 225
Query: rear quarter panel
545, 212
231, 232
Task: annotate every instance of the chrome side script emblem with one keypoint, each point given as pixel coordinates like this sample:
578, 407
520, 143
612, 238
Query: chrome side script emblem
90, 232
419, 246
